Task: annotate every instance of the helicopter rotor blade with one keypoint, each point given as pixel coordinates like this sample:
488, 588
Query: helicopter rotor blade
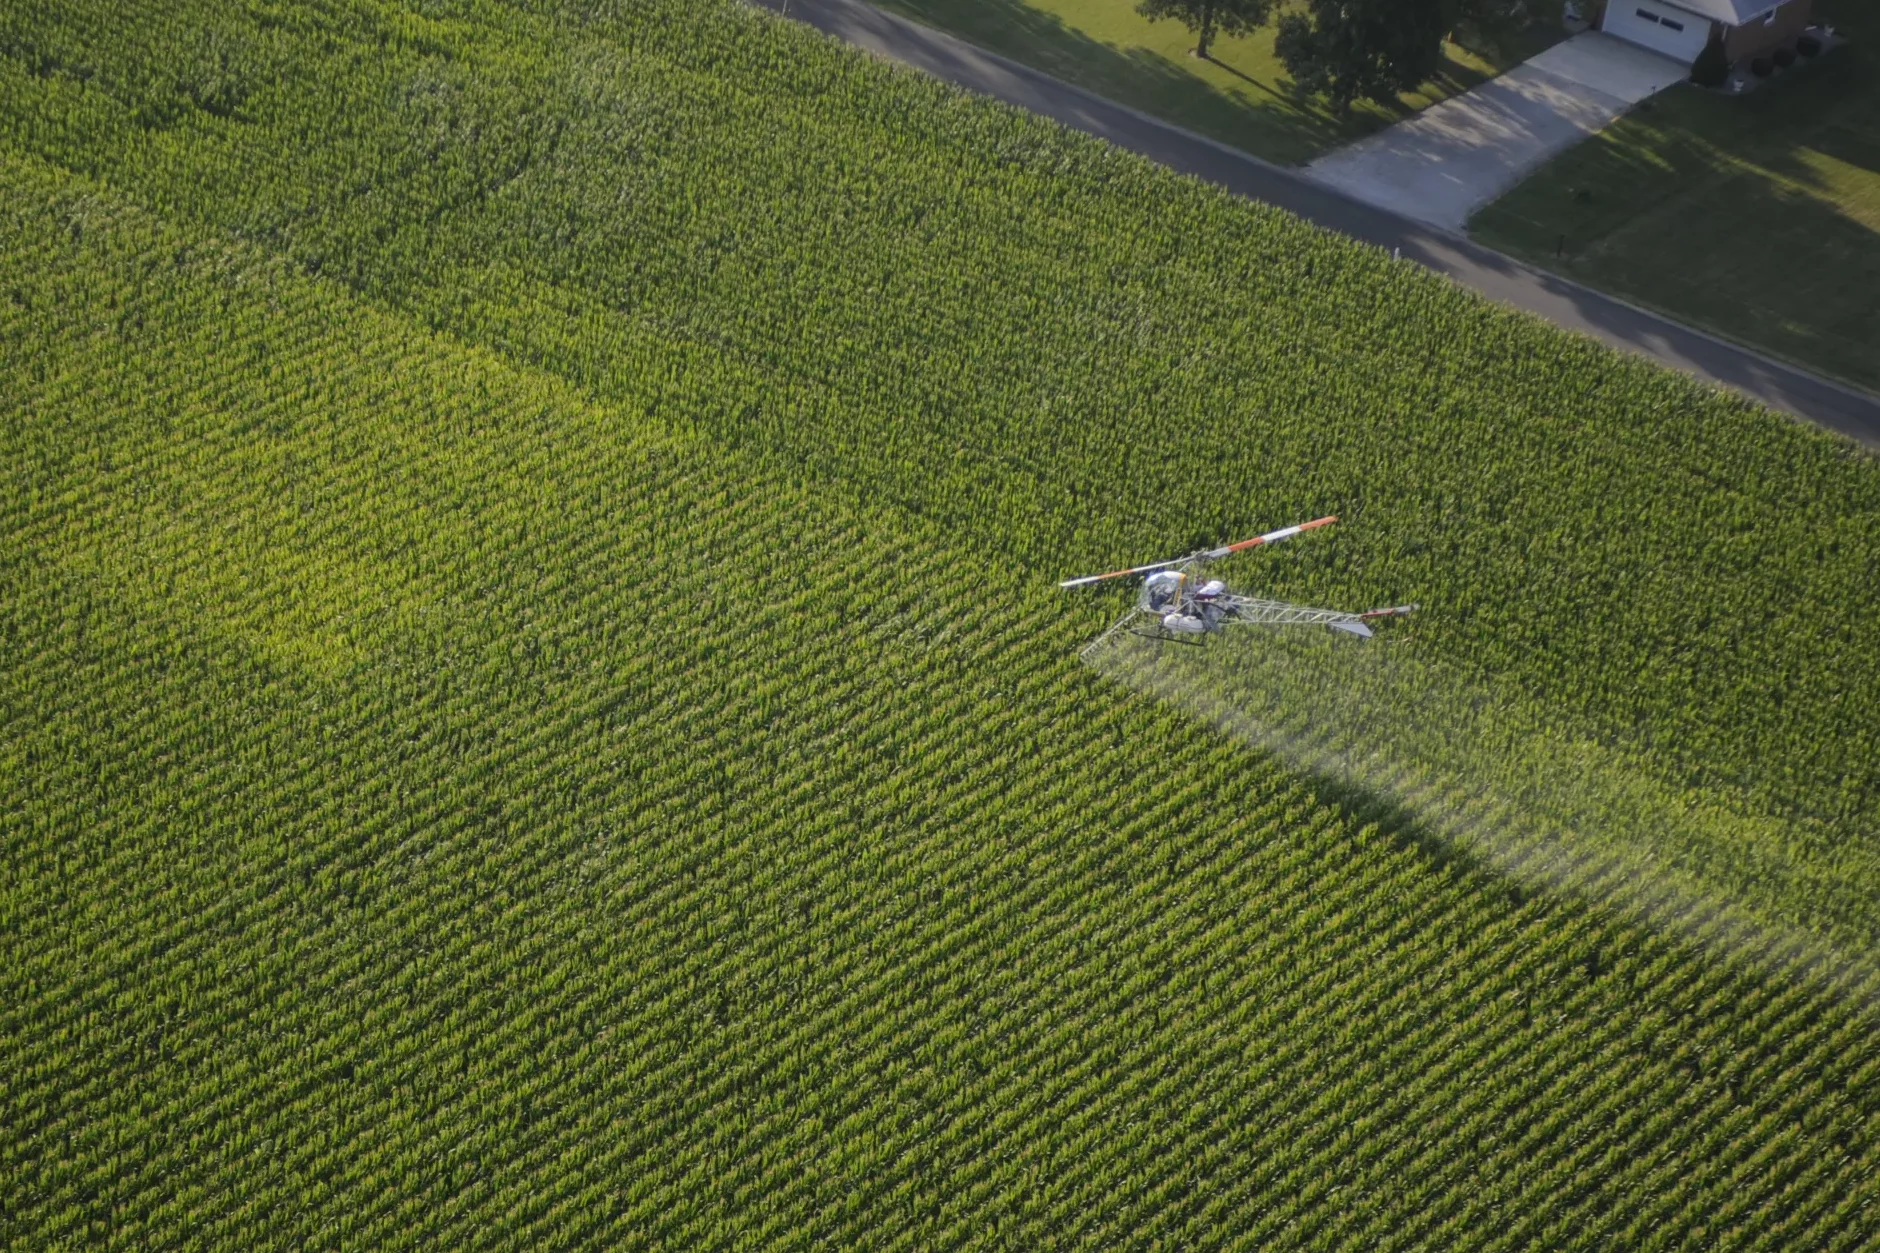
1208, 554
1271, 537
1118, 574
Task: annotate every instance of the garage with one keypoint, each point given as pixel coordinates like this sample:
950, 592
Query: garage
1661, 27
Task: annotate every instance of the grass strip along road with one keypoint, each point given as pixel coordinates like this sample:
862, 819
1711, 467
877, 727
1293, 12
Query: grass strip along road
536, 710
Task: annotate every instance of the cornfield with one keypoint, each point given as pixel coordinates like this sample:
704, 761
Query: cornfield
537, 714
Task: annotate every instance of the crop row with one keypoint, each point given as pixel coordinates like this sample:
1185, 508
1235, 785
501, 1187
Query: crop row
448, 810
858, 277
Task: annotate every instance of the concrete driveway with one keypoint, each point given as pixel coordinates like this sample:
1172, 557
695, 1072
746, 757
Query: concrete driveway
1449, 160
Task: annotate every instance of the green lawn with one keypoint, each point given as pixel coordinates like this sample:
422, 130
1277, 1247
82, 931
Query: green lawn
1757, 217
1241, 96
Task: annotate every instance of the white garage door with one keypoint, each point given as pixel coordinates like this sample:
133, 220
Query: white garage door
1658, 27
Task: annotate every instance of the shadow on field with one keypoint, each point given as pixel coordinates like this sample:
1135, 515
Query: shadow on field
1478, 777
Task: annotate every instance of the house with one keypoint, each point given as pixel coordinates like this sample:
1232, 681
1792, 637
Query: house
1681, 28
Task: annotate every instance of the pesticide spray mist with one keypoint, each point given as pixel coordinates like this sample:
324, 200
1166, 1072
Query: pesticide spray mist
1386, 723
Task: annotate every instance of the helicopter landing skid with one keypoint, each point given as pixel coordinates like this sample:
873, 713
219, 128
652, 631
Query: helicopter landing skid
1171, 639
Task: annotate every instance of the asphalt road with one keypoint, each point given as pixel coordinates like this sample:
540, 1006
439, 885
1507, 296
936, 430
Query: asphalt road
1494, 275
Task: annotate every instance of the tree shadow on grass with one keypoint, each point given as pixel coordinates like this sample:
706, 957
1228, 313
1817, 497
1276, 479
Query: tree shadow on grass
1277, 125
1298, 109
1249, 79
1267, 119
1731, 248
1831, 107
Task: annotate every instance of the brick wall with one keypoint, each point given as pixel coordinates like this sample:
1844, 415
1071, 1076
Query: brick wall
1747, 41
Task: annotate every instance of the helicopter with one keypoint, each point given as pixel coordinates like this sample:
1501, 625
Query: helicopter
1183, 609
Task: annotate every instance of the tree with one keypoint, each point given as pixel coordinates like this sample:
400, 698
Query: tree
1208, 18
1487, 15
1370, 49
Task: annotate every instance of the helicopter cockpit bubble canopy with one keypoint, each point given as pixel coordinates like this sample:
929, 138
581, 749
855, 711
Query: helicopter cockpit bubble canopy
1162, 590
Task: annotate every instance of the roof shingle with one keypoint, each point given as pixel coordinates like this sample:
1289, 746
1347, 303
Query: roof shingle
1734, 12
